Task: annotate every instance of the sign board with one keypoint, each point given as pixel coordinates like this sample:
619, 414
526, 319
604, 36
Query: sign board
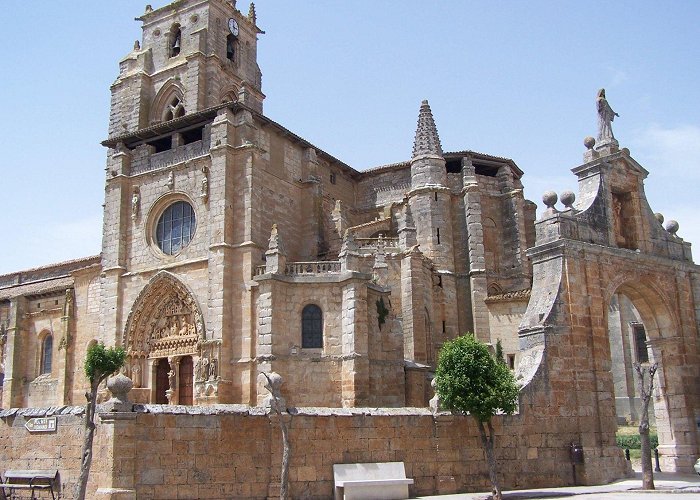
45, 424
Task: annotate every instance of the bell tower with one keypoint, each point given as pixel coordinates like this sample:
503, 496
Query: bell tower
194, 54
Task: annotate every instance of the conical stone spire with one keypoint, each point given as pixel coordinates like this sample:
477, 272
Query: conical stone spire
427, 141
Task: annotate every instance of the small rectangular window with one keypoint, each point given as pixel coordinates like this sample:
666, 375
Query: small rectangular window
640, 342
333, 179
511, 361
438, 236
444, 326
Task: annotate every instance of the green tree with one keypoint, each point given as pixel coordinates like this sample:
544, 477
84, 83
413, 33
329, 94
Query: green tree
100, 363
471, 381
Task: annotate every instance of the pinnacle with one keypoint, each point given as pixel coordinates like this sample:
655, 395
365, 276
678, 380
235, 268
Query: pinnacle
427, 140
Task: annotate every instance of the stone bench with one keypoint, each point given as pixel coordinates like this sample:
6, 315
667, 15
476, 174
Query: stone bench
29, 480
378, 481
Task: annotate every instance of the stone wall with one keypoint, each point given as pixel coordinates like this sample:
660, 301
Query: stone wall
235, 451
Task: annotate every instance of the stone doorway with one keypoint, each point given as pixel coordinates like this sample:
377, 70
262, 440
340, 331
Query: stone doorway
162, 381
186, 377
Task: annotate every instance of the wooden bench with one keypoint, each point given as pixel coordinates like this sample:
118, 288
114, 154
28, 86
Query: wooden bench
29, 480
377, 481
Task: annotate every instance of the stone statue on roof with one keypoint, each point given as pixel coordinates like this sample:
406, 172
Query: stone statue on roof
605, 118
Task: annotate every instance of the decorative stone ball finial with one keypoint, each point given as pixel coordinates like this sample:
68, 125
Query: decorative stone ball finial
589, 142
549, 198
119, 386
568, 198
672, 227
659, 217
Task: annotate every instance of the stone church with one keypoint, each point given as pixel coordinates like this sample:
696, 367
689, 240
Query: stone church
232, 246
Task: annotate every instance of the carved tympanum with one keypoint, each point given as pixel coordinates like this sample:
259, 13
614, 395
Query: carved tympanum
164, 321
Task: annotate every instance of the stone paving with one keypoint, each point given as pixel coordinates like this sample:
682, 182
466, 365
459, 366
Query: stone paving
667, 484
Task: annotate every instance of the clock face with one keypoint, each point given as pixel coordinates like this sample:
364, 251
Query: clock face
233, 26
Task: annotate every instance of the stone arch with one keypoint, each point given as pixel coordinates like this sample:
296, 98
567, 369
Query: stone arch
229, 94
651, 303
165, 320
661, 325
164, 100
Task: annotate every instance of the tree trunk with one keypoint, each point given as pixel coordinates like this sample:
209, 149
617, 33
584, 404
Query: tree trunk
286, 448
645, 395
89, 435
487, 444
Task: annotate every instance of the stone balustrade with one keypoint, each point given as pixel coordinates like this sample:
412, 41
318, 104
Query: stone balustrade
306, 268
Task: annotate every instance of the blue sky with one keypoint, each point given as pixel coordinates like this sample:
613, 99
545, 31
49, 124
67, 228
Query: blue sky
515, 79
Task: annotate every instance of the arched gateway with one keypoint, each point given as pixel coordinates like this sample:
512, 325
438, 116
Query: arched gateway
606, 245
164, 338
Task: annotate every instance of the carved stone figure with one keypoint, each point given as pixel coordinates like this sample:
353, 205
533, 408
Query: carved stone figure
273, 383
171, 180
213, 369
204, 189
198, 369
605, 118
171, 379
135, 204
136, 374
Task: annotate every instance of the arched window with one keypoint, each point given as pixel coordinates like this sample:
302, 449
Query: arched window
175, 40
231, 48
174, 110
311, 327
46, 354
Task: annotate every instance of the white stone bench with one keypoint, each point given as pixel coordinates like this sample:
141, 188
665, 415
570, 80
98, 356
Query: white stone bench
377, 481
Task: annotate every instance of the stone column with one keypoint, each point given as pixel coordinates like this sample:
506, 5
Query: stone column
355, 364
225, 184
412, 306
115, 445
65, 351
117, 217
13, 387
475, 243
515, 243
674, 422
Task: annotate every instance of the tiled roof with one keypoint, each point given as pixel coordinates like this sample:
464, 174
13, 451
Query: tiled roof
43, 279
37, 288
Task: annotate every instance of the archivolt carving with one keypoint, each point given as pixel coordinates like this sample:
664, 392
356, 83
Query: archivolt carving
164, 321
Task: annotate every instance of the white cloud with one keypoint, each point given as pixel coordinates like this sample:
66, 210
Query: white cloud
669, 150
672, 156
618, 77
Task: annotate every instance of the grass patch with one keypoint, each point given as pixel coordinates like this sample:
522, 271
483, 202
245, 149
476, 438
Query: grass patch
628, 437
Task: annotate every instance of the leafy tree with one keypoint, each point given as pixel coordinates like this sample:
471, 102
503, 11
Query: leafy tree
471, 381
100, 363
499, 352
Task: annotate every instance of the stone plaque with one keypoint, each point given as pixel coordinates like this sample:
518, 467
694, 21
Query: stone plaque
44, 424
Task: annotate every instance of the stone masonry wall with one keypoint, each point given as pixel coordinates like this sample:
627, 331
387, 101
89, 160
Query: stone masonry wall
234, 451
